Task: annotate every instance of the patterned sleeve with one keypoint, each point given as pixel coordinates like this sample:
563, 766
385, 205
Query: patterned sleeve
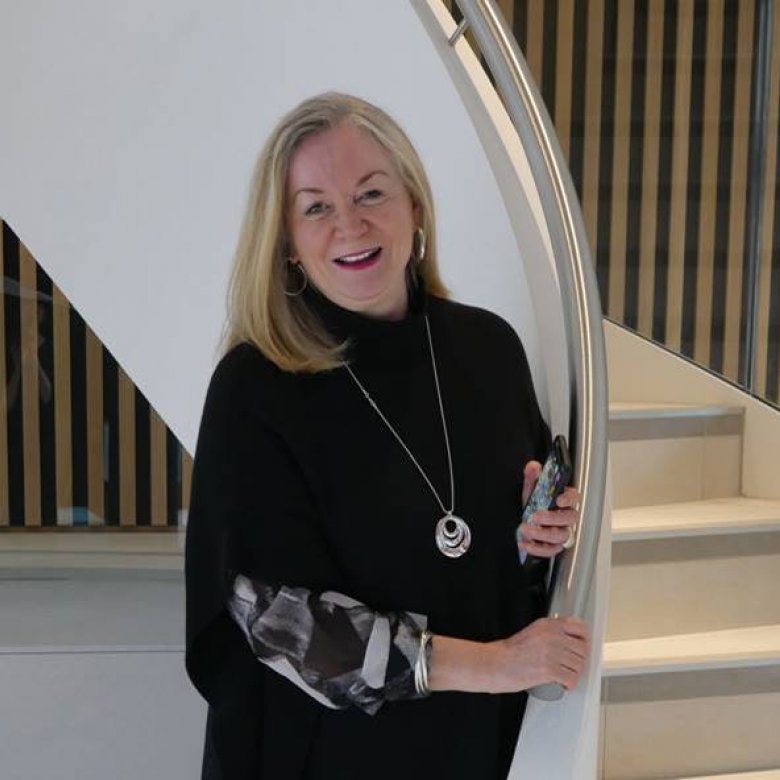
334, 648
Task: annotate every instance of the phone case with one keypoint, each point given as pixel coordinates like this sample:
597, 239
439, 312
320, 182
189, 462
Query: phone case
555, 476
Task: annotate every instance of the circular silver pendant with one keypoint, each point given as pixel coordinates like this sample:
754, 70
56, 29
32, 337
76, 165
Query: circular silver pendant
453, 536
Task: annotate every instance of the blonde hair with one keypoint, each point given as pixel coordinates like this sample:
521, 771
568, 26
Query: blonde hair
259, 311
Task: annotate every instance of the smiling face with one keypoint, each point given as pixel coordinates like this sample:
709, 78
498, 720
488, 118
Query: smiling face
350, 221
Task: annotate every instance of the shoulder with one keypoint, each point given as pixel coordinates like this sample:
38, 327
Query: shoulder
474, 325
244, 379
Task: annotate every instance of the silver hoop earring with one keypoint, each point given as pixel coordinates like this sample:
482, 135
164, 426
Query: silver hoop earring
421, 241
290, 268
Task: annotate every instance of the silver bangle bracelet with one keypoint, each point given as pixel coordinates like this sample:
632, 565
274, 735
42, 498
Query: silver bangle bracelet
421, 665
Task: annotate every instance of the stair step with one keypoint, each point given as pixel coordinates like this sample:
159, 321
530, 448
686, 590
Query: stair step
631, 421
707, 517
691, 705
694, 566
668, 453
728, 649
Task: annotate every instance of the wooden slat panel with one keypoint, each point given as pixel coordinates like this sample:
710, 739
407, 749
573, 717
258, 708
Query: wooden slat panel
739, 182
95, 454
591, 143
650, 162
709, 181
680, 152
126, 393
158, 469
563, 72
767, 228
5, 518
30, 392
620, 169
62, 408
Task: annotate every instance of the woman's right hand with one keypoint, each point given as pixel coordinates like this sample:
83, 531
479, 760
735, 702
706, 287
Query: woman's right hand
549, 650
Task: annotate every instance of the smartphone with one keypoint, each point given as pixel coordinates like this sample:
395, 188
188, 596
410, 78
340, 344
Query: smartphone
555, 476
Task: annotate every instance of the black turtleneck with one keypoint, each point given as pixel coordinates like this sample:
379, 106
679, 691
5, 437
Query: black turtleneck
298, 482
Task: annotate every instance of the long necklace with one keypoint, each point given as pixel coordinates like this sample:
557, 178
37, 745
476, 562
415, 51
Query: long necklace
453, 535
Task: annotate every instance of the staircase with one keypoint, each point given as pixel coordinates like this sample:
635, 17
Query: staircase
691, 680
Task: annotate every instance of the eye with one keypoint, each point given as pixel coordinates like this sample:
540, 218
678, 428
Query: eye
370, 196
315, 209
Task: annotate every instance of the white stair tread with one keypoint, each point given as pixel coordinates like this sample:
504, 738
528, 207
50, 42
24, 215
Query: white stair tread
634, 410
731, 648
767, 774
694, 518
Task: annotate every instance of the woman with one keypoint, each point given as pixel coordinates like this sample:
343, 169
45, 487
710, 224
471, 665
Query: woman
356, 606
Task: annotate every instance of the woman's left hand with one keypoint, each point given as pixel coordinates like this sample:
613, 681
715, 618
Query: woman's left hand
548, 530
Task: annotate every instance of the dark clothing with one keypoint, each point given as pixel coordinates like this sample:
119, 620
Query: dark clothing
298, 482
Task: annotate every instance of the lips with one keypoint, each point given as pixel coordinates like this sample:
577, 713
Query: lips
359, 259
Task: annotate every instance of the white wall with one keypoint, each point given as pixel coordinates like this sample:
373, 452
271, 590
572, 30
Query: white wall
129, 133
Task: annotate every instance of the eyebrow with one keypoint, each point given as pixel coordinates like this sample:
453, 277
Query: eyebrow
361, 180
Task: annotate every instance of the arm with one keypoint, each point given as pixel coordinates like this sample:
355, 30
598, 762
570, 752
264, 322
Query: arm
334, 648
254, 513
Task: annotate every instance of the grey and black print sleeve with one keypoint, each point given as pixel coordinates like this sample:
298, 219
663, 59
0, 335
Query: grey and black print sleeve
335, 648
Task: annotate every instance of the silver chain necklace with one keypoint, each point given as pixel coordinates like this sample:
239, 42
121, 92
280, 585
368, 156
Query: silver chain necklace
453, 535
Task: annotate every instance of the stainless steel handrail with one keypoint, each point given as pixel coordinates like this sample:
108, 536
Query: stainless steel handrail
579, 293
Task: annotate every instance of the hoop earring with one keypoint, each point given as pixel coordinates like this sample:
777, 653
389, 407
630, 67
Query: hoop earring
421, 241
289, 266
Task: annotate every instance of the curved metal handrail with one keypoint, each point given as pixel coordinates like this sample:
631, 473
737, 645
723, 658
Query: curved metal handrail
579, 292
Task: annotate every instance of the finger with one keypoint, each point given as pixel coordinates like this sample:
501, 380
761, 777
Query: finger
555, 518
541, 550
545, 534
575, 627
531, 473
568, 499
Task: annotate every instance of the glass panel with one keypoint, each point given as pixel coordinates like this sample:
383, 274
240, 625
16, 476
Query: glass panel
652, 103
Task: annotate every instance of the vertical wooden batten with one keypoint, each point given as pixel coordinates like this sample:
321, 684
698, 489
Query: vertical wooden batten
62, 408
158, 470
650, 160
95, 442
186, 479
127, 455
622, 134
679, 199
592, 131
563, 73
534, 47
738, 196
28, 304
709, 181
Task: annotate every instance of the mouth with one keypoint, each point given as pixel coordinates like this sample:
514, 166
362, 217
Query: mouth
358, 260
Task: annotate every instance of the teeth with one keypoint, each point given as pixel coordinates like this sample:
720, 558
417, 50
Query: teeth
357, 258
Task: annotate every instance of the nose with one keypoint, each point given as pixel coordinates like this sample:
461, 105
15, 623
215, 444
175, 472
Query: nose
349, 222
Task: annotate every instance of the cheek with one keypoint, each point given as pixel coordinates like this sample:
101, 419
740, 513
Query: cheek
304, 238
